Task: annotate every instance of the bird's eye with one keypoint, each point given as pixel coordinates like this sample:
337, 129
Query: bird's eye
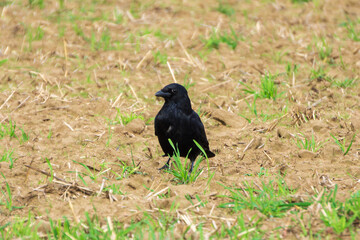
173, 90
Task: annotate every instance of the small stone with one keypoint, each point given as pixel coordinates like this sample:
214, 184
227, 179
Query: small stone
307, 154
257, 143
136, 126
318, 125
227, 118
282, 133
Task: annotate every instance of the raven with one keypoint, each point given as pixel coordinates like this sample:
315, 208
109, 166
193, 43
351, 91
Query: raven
179, 122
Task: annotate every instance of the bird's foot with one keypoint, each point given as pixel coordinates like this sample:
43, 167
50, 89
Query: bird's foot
191, 167
165, 167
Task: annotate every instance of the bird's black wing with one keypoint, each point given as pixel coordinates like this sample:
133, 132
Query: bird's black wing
161, 122
164, 129
199, 133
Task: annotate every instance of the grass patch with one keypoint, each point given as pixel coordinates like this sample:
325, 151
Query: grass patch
98, 42
292, 69
268, 88
342, 144
340, 216
49, 135
277, 56
273, 199
115, 189
300, 1
149, 227
24, 136
353, 29
33, 34
252, 108
8, 129
188, 83
346, 83
124, 118
7, 157
180, 170
230, 39
118, 16
263, 116
302, 142
324, 50
226, 9
51, 169
103, 43
36, 3
3, 61
160, 58
241, 229
127, 169
7, 198
319, 73
89, 171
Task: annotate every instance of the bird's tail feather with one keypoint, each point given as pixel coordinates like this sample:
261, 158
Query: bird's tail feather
210, 154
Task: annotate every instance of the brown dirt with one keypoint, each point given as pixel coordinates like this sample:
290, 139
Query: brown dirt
51, 93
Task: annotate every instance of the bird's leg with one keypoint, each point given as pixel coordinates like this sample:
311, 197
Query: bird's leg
191, 167
166, 166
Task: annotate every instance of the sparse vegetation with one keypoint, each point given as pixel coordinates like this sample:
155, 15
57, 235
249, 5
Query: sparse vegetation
325, 50
8, 157
269, 200
37, 3
188, 82
8, 129
311, 144
291, 69
342, 144
127, 170
353, 29
34, 34
340, 215
270, 81
268, 88
231, 39
51, 169
180, 169
319, 73
160, 58
7, 197
125, 118
50, 133
300, 1
225, 9
346, 83
3, 61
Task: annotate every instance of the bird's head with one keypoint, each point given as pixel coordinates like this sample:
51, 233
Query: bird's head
173, 92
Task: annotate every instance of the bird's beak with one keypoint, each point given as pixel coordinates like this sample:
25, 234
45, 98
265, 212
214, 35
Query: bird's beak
162, 94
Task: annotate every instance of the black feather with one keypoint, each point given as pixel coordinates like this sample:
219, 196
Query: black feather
179, 122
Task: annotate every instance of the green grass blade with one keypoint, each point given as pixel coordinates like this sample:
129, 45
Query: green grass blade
348, 149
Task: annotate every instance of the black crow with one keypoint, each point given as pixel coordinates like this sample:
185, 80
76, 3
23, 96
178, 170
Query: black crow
179, 122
